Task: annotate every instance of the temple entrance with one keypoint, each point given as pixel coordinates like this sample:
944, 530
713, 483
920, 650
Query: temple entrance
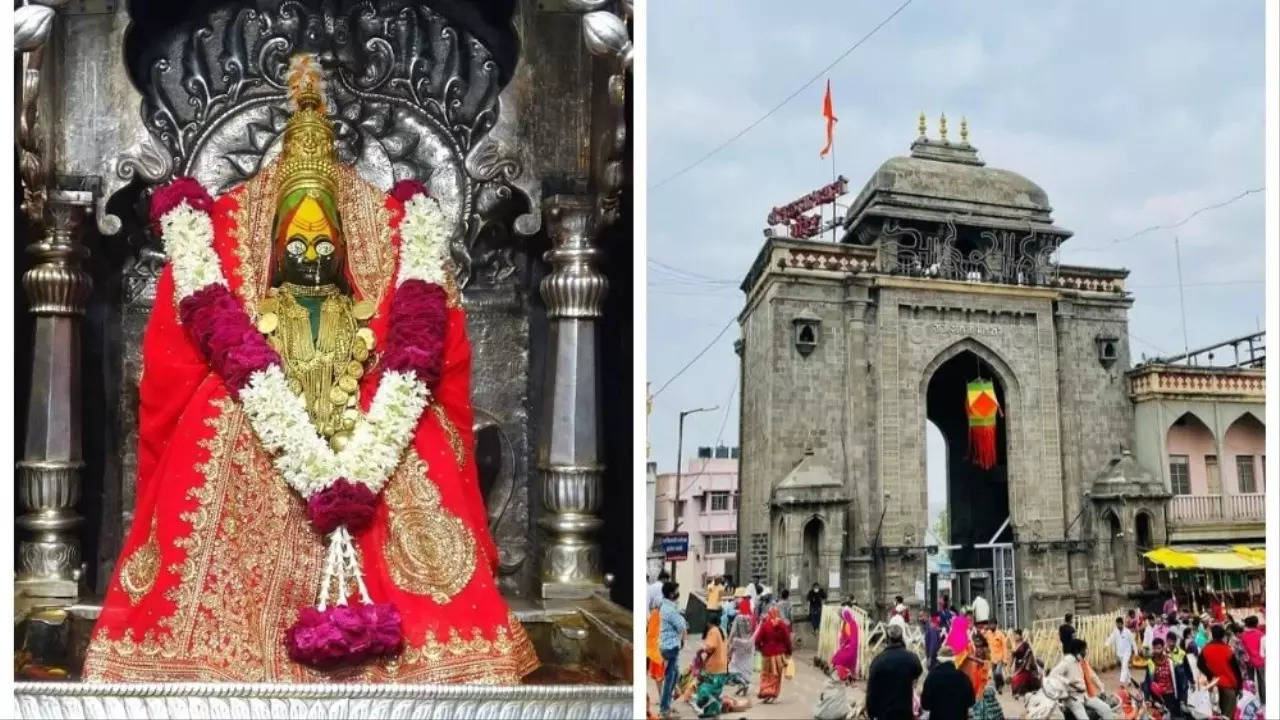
972, 502
812, 548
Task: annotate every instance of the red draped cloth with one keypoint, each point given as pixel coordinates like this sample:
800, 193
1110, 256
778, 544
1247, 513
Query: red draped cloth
220, 556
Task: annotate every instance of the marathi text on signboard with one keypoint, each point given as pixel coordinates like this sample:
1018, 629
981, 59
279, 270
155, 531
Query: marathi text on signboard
675, 546
793, 214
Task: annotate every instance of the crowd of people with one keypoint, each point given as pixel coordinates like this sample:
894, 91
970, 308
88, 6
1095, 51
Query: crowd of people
1192, 665
747, 634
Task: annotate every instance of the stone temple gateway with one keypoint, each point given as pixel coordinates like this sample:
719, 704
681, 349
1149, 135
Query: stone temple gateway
944, 275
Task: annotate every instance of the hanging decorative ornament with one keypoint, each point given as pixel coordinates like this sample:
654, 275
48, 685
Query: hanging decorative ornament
982, 407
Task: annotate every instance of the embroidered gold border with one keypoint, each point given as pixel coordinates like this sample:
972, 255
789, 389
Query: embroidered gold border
139, 572
451, 434
248, 558
429, 551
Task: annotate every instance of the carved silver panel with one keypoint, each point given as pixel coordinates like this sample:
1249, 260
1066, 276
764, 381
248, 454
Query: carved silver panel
59, 701
411, 95
999, 256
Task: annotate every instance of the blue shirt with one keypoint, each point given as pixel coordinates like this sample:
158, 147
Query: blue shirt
673, 626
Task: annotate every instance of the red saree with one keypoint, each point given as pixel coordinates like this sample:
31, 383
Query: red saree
221, 556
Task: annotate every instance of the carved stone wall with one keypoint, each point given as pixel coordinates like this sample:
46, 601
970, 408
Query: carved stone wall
859, 400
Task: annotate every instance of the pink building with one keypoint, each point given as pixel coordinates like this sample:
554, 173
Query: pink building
708, 512
1202, 427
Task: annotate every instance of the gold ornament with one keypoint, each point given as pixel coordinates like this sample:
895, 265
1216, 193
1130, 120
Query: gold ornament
362, 310
307, 159
323, 368
268, 322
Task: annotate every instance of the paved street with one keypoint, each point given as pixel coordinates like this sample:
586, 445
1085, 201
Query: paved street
799, 695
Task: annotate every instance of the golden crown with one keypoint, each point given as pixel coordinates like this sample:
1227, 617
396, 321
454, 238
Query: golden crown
307, 159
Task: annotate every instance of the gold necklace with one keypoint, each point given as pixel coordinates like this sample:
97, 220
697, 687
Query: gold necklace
323, 369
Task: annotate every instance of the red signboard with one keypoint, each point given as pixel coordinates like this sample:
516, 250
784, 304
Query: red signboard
795, 211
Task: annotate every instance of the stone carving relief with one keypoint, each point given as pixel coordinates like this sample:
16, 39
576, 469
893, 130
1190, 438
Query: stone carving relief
1002, 256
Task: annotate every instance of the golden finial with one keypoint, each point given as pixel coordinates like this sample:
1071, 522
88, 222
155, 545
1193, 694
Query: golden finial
921, 126
942, 127
307, 158
964, 130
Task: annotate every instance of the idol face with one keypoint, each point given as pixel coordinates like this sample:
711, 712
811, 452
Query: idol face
313, 250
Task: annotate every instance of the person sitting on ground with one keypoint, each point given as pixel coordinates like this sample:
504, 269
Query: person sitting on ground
892, 678
833, 701
947, 693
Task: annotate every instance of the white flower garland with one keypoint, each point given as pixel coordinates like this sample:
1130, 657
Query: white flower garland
188, 233
278, 416
424, 241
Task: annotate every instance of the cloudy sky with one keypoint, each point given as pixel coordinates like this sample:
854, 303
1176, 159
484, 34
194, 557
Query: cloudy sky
1128, 114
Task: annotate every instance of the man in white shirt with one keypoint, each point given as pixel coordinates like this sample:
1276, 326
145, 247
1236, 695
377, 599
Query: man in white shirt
1071, 672
981, 610
897, 619
655, 590
1122, 642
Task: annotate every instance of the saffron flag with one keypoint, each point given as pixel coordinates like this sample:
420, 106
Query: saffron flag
981, 406
830, 115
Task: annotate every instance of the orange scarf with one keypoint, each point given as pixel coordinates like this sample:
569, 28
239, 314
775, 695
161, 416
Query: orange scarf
1090, 690
651, 645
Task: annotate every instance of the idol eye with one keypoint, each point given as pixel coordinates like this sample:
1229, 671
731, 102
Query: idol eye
296, 246
324, 247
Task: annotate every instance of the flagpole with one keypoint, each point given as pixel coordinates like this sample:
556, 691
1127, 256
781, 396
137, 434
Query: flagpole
834, 206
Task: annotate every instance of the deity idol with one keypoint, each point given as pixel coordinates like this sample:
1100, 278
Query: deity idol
307, 502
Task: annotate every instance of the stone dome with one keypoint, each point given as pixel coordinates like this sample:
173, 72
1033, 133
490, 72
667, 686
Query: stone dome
977, 184
942, 180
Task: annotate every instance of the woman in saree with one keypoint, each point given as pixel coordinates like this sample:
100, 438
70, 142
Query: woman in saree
742, 651
651, 652
975, 663
846, 655
1026, 671
773, 640
958, 635
715, 668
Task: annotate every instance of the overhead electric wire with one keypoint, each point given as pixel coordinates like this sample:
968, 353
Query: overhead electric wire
701, 352
1115, 241
785, 100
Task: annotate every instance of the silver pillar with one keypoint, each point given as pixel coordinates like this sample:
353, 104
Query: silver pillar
48, 571
569, 449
